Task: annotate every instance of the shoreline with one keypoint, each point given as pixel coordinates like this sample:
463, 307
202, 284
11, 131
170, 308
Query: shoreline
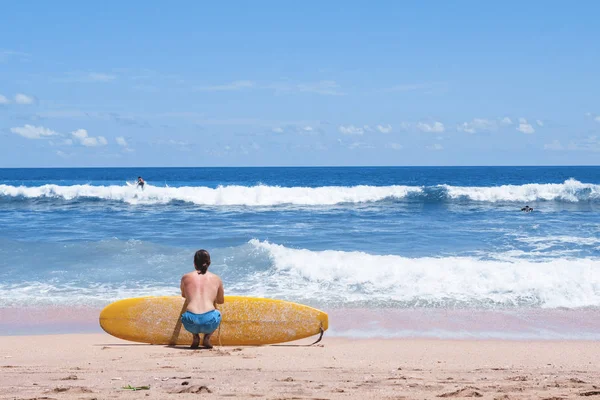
90, 366
456, 324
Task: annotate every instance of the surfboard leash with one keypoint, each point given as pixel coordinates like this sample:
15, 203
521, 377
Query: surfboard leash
321, 332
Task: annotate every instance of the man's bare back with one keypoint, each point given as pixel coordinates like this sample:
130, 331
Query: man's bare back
202, 291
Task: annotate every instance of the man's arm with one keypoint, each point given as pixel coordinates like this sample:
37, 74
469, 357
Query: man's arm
181, 287
220, 294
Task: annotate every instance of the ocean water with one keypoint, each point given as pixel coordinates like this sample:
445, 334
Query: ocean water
399, 239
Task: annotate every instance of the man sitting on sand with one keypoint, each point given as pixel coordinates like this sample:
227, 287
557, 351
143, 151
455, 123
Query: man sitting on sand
203, 290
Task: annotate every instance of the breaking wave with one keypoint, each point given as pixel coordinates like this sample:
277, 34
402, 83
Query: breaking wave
571, 191
329, 278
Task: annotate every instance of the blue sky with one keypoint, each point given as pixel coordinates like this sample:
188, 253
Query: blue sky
299, 83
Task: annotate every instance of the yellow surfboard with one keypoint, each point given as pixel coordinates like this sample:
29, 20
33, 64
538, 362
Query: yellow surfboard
245, 321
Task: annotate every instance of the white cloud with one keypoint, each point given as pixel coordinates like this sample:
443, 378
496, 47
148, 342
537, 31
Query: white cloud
359, 145
84, 139
297, 128
591, 143
436, 127
525, 127
33, 132
394, 146
539, 122
4, 100
325, 87
367, 128
321, 87
87, 77
247, 149
597, 119
477, 125
100, 77
320, 146
484, 125
555, 145
384, 128
121, 141
436, 147
5, 55
232, 86
351, 130
178, 143
21, 98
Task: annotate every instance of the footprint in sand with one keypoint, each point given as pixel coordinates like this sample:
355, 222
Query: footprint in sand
590, 393
73, 389
519, 378
193, 389
464, 392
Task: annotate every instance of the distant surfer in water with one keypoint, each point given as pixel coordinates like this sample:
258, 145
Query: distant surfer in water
140, 182
202, 290
527, 209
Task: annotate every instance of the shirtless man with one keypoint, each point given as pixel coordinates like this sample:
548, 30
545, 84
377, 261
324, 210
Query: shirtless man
203, 290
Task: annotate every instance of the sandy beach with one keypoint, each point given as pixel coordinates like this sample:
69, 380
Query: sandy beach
98, 366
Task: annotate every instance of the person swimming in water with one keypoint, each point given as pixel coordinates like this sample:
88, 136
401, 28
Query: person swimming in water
140, 182
527, 209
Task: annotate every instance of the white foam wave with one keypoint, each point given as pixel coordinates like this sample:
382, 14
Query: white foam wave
264, 195
570, 191
35, 293
328, 278
347, 277
260, 195
543, 243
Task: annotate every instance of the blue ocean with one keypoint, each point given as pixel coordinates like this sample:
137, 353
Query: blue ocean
395, 238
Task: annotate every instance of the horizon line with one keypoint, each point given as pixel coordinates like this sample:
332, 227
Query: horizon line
321, 166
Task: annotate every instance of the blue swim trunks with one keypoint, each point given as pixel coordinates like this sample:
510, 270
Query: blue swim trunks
201, 323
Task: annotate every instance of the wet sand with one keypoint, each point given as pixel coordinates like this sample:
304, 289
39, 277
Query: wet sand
515, 324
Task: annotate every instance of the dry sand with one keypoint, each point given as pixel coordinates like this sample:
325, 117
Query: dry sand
97, 366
